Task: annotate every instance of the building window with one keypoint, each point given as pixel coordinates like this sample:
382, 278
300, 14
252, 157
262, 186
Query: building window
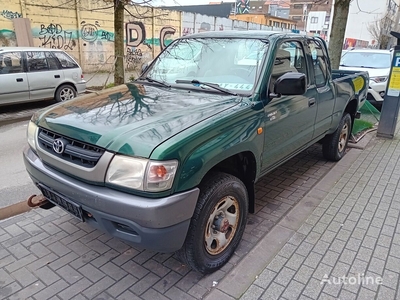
296, 18
298, 6
314, 20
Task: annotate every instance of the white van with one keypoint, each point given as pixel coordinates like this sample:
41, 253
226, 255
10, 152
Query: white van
32, 74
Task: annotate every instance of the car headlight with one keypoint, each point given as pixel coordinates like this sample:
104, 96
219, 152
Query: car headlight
31, 134
141, 174
379, 79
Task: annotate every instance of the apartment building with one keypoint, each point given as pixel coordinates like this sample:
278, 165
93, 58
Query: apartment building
300, 10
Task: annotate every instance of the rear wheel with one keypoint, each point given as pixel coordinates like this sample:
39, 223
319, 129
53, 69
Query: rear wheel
334, 145
65, 92
217, 225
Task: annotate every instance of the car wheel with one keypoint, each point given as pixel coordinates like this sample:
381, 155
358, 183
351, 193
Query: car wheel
65, 92
217, 225
335, 144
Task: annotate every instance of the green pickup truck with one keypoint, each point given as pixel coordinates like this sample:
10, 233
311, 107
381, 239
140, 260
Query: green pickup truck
169, 162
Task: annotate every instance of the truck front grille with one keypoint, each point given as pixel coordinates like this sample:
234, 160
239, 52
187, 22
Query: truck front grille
68, 149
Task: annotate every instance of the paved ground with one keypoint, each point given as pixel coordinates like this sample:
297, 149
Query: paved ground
348, 248
48, 254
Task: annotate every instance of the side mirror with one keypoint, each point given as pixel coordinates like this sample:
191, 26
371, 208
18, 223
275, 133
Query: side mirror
291, 83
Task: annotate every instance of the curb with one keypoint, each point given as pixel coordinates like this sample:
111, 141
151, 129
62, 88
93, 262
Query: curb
240, 278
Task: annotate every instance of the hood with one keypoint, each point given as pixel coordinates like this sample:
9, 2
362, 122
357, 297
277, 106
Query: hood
133, 119
371, 72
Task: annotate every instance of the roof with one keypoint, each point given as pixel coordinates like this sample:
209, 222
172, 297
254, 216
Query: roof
28, 49
256, 34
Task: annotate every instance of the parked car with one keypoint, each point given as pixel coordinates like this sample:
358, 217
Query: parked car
377, 63
32, 74
170, 163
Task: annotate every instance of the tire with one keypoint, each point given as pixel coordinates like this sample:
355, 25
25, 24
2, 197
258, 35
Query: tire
335, 144
223, 200
65, 92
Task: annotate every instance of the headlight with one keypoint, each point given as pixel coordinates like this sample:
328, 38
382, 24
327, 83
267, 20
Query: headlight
379, 79
31, 134
141, 174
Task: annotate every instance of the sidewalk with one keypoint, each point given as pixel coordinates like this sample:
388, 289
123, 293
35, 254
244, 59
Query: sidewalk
348, 248
103, 79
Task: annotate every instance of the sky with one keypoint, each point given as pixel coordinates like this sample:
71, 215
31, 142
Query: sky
182, 2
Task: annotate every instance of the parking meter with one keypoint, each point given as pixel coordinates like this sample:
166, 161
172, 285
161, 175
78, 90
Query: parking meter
391, 102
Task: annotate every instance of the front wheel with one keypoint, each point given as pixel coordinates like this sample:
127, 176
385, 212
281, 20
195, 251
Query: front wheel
65, 92
335, 144
217, 225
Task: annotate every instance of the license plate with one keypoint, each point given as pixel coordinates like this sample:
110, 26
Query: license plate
61, 201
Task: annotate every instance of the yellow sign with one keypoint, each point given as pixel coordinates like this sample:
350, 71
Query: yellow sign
358, 83
394, 82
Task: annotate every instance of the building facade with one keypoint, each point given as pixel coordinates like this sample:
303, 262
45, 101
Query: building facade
300, 10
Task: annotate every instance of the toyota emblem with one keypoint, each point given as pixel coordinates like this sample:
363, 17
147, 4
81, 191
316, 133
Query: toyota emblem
58, 146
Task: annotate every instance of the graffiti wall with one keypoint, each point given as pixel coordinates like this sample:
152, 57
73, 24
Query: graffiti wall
85, 29
7, 14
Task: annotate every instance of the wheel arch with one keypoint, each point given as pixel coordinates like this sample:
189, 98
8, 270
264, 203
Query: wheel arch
242, 165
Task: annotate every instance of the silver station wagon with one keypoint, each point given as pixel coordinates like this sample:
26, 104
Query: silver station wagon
32, 74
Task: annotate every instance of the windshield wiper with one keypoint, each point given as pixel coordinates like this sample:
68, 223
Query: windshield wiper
215, 86
149, 79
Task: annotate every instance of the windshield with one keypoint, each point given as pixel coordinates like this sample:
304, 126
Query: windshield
231, 63
374, 60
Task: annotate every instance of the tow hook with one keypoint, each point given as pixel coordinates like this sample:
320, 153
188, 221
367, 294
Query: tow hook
35, 201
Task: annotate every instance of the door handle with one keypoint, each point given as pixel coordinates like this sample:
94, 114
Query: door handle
19, 79
311, 102
56, 76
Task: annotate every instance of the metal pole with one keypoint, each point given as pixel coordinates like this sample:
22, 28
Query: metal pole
330, 20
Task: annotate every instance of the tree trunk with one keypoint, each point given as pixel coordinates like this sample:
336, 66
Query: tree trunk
339, 22
119, 74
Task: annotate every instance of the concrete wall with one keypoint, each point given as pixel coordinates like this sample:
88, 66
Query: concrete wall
85, 29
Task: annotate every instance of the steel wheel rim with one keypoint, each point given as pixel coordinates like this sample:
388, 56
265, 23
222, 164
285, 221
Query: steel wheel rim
66, 94
216, 241
343, 137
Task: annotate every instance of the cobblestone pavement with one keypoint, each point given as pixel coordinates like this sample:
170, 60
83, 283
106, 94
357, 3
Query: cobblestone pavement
354, 232
50, 255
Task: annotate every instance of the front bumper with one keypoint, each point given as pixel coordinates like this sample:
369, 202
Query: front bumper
378, 87
158, 224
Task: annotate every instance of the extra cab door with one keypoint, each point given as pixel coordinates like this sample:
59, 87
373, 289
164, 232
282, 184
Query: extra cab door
14, 86
321, 77
289, 120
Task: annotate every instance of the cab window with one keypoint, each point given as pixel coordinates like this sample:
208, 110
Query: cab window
10, 62
36, 61
65, 61
289, 57
319, 62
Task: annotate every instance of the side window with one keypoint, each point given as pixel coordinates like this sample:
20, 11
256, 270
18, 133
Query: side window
319, 63
65, 61
36, 61
51, 60
10, 62
289, 58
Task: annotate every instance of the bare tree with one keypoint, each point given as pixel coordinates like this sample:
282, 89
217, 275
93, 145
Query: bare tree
339, 23
380, 30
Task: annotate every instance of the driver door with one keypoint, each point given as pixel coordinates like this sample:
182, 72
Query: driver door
288, 120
